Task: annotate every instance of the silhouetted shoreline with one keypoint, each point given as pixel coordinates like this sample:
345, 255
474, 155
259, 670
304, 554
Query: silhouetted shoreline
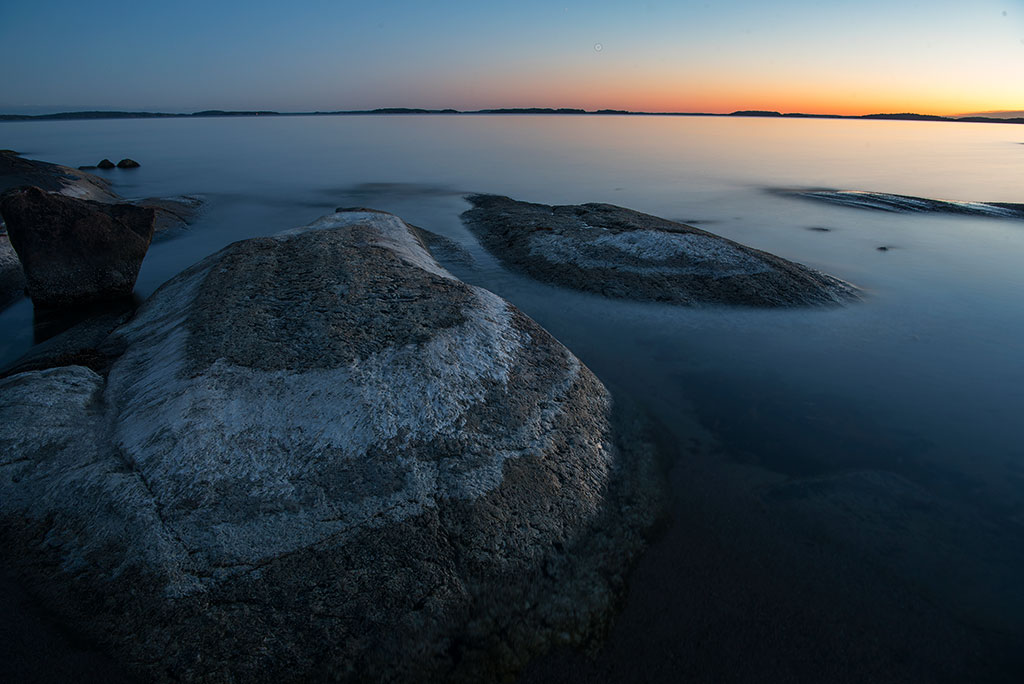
907, 116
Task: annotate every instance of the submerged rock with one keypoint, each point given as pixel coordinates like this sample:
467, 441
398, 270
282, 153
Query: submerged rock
883, 201
319, 456
76, 251
172, 213
623, 253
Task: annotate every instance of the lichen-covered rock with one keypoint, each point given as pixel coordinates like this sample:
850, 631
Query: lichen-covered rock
623, 253
319, 456
76, 251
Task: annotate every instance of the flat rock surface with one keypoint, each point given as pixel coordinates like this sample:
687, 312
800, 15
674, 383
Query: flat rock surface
884, 201
16, 171
619, 252
319, 456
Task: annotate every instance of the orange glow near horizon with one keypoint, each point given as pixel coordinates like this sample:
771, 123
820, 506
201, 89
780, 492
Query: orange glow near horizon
724, 91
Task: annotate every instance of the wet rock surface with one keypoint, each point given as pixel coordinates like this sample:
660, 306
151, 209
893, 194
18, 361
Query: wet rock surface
622, 253
76, 251
319, 456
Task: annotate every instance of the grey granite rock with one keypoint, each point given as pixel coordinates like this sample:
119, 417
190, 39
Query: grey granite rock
320, 457
623, 253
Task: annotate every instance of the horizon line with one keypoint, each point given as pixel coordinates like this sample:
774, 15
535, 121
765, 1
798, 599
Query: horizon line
981, 117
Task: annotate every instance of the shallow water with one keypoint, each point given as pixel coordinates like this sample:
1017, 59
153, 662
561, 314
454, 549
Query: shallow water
880, 438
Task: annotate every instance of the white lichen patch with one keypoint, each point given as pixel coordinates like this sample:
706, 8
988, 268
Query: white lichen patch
657, 251
57, 465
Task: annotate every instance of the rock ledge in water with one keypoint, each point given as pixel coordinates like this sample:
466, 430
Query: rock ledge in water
619, 252
319, 456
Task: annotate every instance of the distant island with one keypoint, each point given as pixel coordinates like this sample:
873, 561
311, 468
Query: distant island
906, 116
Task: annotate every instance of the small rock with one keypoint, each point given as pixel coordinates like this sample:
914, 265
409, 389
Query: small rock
87, 167
76, 251
128, 164
105, 164
883, 248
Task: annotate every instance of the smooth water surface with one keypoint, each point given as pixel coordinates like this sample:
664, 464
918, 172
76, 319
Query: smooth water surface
849, 483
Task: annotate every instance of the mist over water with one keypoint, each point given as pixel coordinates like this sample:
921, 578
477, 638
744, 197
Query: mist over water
886, 432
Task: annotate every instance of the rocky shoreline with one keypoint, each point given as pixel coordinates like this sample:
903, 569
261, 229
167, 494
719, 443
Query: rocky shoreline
323, 436
320, 456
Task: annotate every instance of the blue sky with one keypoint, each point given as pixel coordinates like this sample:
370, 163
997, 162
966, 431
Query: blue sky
943, 57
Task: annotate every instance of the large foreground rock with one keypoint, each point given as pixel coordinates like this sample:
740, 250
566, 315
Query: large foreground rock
76, 251
319, 456
619, 252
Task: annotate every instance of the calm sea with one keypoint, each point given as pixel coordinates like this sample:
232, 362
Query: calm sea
847, 484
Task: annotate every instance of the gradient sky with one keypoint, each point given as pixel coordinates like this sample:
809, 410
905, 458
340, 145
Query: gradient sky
937, 57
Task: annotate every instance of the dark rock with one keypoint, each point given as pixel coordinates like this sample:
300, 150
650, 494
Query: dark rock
820, 229
78, 344
12, 277
76, 251
87, 167
16, 172
883, 248
105, 164
316, 457
623, 253
128, 164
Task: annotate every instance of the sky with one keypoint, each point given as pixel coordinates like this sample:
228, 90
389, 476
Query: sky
937, 57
